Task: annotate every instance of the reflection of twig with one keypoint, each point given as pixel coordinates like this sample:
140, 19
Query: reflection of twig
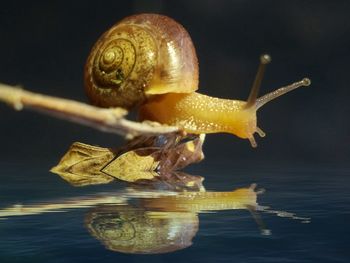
267, 209
46, 207
108, 120
262, 226
112, 198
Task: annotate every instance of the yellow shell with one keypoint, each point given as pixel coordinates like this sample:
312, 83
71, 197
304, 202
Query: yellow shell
140, 56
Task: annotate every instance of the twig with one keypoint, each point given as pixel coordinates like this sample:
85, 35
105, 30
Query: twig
108, 120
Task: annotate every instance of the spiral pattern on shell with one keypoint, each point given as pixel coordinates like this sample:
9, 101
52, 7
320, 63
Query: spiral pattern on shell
120, 65
131, 229
140, 56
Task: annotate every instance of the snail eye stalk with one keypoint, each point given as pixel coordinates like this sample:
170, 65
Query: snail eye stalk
305, 82
253, 99
264, 60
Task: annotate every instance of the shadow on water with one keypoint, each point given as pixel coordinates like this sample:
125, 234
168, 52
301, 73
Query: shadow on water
150, 222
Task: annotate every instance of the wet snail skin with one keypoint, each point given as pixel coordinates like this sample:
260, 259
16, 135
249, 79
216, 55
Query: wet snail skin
149, 61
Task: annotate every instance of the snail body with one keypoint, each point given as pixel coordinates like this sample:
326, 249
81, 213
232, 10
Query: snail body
204, 115
149, 61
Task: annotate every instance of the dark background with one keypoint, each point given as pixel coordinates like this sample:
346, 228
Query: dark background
44, 44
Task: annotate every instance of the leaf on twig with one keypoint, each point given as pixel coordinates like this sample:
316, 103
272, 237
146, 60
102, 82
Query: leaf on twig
154, 153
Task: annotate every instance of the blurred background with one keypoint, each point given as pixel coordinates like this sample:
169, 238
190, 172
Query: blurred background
44, 45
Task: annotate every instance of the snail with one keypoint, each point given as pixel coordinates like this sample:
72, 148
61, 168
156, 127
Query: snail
149, 61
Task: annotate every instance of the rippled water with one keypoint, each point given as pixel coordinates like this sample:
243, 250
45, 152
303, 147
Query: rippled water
43, 219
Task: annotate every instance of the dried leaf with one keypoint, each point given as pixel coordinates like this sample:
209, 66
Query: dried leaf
145, 160
82, 165
184, 153
132, 166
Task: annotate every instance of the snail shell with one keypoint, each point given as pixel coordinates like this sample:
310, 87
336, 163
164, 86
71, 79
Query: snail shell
140, 56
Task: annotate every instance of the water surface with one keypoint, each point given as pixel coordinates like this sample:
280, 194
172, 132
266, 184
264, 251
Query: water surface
65, 231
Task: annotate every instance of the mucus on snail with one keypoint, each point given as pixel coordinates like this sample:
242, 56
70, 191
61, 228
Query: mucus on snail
149, 61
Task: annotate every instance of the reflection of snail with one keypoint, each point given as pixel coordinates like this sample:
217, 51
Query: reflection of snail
241, 198
163, 221
134, 230
149, 60
161, 224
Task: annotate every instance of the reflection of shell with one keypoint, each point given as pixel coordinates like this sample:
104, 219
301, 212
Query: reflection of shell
132, 230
